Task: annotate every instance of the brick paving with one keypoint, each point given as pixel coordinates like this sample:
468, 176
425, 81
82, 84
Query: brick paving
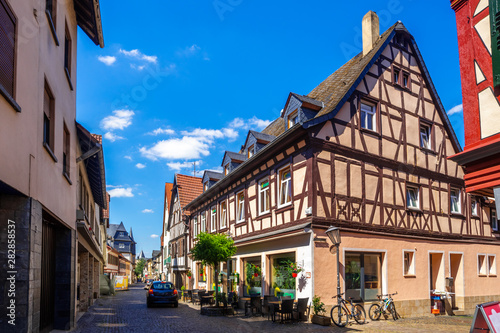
127, 312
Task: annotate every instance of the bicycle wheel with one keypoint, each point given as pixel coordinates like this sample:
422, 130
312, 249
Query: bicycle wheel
392, 310
339, 320
374, 312
359, 314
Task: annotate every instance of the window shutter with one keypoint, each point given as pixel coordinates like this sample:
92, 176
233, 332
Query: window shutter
7, 42
495, 39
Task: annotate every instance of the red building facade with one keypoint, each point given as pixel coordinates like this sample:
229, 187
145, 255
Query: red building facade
479, 48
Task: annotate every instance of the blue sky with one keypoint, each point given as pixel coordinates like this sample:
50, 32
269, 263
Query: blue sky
183, 81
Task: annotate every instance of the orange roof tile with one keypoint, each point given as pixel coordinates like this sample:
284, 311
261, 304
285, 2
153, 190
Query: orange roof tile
189, 188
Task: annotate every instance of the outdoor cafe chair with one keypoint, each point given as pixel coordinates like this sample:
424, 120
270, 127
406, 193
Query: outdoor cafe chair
272, 308
286, 310
301, 308
195, 298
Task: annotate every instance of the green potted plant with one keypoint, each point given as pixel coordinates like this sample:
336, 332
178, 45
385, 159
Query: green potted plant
319, 310
189, 274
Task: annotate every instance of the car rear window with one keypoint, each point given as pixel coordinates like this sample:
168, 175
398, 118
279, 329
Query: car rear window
163, 285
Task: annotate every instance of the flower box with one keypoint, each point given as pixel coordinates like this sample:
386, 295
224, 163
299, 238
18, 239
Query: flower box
321, 320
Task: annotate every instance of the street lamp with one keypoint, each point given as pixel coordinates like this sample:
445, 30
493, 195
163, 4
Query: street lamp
334, 234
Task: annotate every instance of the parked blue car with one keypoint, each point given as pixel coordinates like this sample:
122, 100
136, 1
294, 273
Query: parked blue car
161, 292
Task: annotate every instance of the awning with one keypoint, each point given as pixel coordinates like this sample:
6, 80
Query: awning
299, 228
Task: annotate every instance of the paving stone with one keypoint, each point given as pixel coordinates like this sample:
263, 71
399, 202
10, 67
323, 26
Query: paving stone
127, 312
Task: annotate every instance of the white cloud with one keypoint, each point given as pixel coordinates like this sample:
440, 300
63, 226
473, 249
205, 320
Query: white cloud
185, 148
159, 131
121, 192
139, 55
230, 133
204, 134
252, 123
189, 51
113, 186
112, 136
199, 173
119, 120
147, 211
456, 109
139, 68
140, 166
107, 60
154, 236
128, 157
178, 166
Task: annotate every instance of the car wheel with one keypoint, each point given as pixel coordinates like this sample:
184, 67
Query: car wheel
176, 305
148, 304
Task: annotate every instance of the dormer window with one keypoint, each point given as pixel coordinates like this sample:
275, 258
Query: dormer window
293, 119
205, 186
226, 170
250, 151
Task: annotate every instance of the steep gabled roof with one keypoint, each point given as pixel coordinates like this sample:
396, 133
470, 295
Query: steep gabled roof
209, 174
111, 231
234, 157
188, 188
275, 128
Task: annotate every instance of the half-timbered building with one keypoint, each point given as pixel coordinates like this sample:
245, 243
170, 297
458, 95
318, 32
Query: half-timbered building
365, 151
185, 188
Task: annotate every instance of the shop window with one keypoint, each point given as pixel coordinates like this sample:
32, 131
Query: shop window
492, 264
213, 219
282, 281
413, 197
494, 220
455, 201
223, 214
240, 207
264, 196
481, 264
408, 263
285, 186
363, 275
253, 277
368, 115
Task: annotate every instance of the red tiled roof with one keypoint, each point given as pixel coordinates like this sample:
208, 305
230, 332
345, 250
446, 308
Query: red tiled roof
168, 197
189, 188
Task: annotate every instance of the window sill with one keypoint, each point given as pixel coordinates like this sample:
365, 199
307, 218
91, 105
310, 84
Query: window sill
264, 215
240, 222
414, 210
454, 214
412, 276
428, 151
9, 99
492, 275
482, 275
52, 27
474, 217
47, 148
369, 131
68, 76
67, 178
284, 208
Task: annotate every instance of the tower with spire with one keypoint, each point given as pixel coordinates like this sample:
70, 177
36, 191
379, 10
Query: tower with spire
121, 240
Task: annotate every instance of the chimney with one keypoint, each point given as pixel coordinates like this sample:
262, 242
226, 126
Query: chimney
370, 31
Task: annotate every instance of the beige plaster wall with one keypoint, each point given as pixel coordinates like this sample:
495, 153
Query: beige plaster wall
26, 165
415, 287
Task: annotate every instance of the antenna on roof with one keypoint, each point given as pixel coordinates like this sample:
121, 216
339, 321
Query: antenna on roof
194, 169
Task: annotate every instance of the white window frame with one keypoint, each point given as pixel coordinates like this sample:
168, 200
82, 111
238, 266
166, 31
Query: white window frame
266, 190
368, 110
493, 217
213, 218
411, 270
426, 134
223, 214
240, 207
482, 269
203, 221
250, 151
474, 209
195, 226
408, 189
121, 246
287, 183
458, 198
293, 118
492, 267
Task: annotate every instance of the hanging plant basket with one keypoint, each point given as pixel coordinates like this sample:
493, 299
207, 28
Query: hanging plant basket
294, 274
256, 274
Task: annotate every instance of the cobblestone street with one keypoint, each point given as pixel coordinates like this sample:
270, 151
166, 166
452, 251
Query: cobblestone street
127, 312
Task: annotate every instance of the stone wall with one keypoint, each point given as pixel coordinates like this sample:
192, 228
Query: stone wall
83, 259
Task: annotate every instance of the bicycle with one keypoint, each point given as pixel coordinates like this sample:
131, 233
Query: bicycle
341, 314
385, 307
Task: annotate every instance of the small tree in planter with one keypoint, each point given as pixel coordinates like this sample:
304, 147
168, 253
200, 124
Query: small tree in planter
212, 249
319, 310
